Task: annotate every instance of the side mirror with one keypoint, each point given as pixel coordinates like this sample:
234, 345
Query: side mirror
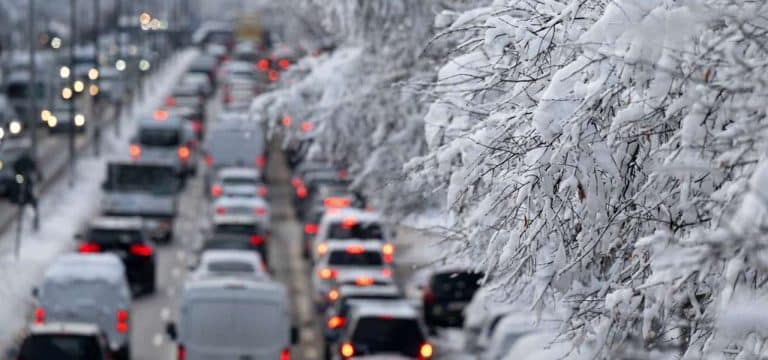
294, 335
170, 330
35, 292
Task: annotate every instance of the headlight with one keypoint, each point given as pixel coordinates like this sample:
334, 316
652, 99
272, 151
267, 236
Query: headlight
45, 115
52, 121
15, 127
2, 133
79, 120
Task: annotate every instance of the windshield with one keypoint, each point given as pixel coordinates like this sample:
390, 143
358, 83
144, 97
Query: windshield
108, 236
60, 347
159, 180
365, 258
456, 285
376, 335
357, 231
236, 267
159, 137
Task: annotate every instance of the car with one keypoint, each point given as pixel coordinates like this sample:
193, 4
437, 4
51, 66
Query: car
237, 181
205, 64
336, 315
166, 138
200, 81
386, 328
219, 263
481, 316
330, 196
255, 208
238, 232
63, 341
233, 318
126, 237
90, 289
361, 261
507, 330
352, 224
233, 141
446, 294
145, 188
187, 95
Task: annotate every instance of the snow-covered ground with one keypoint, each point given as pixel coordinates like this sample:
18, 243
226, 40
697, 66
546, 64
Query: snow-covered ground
65, 209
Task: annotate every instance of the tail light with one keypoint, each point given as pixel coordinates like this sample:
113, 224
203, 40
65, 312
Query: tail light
285, 354
262, 65
262, 191
161, 115
39, 315
306, 126
322, 249
336, 202
170, 101
296, 182
310, 229
221, 211
273, 75
181, 353
364, 281
208, 160
89, 248
355, 250
327, 274
135, 151
283, 64
347, 350
122, 321
333, 295
425, 351
388, 250
386, 272
216, 190
301, 192
287, 121
348, 222
260, 211
427, 297
183, 153
336, 322
257, 240
141, 250
261, 161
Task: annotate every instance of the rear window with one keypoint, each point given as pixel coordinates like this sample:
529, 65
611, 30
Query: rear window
456, 285
234, 181
376, 335
359, 231
159, 137
231, 267
366, 258
105, 236
239, 229
60, 347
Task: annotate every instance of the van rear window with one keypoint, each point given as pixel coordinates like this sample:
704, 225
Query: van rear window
159, 137
105, 236
388, 335
60, 347
359, 231
456, 285
231, 267
366, 258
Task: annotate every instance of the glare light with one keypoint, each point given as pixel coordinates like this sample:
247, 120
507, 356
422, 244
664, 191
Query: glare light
120, 65
64, 72
145, 18
79, 86
144, 65
154, 24
2, 135
52, 121
45, 114
15, 127
1, 165
79, 120
56, 42
93, 90
93, 74
66, 93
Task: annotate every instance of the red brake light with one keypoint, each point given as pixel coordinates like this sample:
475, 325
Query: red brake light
296, 182
310, 229
122, 321
364, 281
336, 202
181, 353
208, 160
39, 315
135, 151
257, 240
307, 126
262, 191
355, 250
197, 126
387, 272
170, 101
347, 350
216, 190
425, 351
327, 274
262, 65
273, 75
221, 211
348, 222
161, 115
183, 153
141, 250
286, 354
301, 192
89, 248
260, 211
261, 161
284, 64
336, 322
287, 121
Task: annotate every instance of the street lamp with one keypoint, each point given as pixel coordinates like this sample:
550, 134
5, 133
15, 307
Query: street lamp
93, 74
120, 65
79, 86
93, 90
64, 72
66, 93
56, 42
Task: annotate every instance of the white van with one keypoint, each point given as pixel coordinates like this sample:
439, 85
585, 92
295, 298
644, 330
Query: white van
88, 289
233, 318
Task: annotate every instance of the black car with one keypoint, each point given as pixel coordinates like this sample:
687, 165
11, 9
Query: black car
128, 239
63, 341
445, 296
231, 233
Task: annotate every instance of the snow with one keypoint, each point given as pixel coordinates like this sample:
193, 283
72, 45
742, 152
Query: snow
63, 211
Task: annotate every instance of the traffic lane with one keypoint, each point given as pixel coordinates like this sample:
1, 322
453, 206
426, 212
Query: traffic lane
285, 257
151, 313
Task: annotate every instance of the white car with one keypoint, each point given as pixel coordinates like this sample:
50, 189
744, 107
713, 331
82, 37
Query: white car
234, 263
91, 289
480, 317
255, 208
352, 225
362, 261
229, 318
238, 181
507, 330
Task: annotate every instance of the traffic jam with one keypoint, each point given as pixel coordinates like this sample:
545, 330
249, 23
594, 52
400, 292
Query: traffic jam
210, 235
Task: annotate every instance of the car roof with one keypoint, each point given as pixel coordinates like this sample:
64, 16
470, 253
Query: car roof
64, 328
388, 308
383, 290
239, 171
234, 201
117, 223
69, 267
